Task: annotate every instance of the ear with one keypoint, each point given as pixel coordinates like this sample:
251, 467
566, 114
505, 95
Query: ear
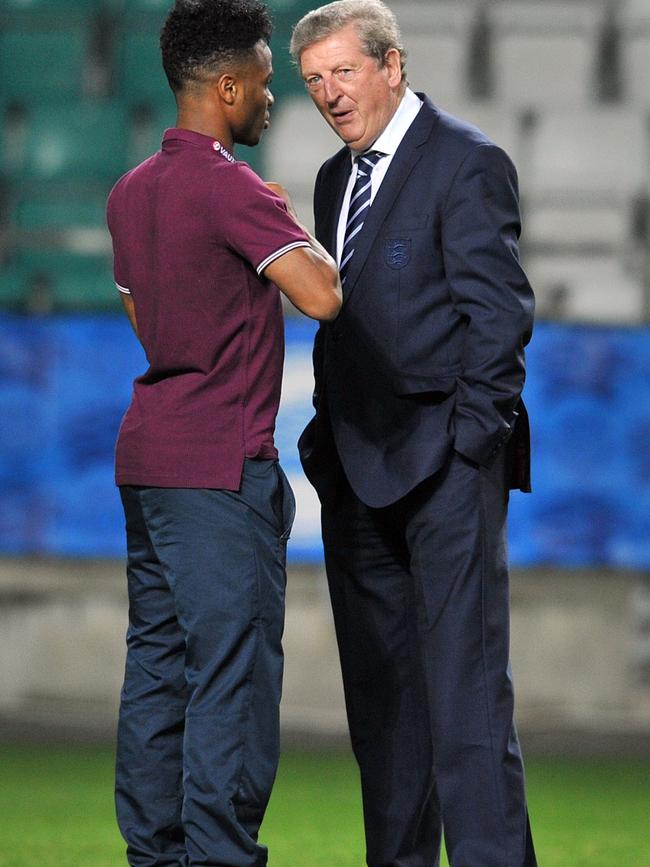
393, 65
227, 88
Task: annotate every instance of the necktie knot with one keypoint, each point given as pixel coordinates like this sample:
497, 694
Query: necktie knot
366, 162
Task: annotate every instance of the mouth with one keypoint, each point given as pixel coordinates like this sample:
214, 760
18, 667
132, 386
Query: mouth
341, 117
267, 121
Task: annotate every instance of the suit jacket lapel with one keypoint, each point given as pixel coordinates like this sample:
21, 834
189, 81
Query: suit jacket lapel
331, 202
404, 162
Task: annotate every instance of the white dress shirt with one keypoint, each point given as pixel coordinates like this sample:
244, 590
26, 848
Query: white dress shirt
387, 143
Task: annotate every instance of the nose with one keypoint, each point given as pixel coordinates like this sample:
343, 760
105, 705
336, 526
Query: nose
270, 99
331, 91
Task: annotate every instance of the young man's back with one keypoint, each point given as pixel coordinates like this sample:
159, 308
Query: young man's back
193, 232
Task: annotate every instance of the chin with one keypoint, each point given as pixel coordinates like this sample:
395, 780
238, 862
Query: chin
351, 140
250, 140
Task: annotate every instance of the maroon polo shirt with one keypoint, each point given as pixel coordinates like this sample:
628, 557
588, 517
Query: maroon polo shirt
193, 231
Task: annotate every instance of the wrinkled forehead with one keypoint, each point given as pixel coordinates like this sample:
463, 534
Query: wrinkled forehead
341, 47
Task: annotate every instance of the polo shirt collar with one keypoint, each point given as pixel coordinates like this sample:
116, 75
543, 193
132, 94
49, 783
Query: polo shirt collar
187, 135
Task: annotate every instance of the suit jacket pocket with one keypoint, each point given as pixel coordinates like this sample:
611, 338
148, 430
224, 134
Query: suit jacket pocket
416, 385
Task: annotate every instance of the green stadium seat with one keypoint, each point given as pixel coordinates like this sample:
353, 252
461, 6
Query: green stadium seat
149, 14
76, 223
147, 7
25, 288
14, 288
139, 73
85, 142
39, 65
38, 9
43, 213
289, 11
159, 6
86, 286
150, 128
52, 281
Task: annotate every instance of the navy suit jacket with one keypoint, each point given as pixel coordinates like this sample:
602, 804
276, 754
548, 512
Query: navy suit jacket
427, 353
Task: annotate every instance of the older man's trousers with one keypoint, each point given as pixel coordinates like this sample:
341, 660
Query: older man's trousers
420, 598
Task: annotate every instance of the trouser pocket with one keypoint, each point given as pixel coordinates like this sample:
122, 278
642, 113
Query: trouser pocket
286, 504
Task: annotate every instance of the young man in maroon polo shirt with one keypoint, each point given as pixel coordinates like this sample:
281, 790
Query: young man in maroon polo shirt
201, 246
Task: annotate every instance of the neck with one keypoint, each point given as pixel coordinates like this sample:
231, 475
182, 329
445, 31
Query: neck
399, 96
197, 119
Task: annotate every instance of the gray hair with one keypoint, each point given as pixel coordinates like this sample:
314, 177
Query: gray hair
375, 23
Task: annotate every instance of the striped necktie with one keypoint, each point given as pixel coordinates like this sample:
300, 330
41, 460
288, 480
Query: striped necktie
359, 205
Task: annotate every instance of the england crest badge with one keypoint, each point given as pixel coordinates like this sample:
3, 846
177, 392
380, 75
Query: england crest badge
397, 252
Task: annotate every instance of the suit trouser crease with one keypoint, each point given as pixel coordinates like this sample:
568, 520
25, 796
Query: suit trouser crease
198, 734
432, 727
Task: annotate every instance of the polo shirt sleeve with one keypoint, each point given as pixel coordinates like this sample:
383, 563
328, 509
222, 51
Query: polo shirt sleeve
119, 267
259, 228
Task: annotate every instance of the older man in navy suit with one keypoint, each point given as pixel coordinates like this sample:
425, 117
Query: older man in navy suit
419, 434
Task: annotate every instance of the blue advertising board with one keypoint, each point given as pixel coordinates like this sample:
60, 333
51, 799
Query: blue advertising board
66, 381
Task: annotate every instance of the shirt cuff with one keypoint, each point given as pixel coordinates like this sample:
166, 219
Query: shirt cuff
265, 264
123, 289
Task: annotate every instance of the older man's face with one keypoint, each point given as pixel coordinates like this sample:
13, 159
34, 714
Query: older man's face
356, 97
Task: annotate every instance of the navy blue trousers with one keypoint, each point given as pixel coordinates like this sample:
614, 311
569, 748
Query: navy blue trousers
421, 606
198, 734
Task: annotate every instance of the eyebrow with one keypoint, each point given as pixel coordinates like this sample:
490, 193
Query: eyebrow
332, 68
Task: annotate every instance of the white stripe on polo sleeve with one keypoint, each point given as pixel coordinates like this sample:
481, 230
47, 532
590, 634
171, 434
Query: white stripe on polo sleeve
123, 289
265, 264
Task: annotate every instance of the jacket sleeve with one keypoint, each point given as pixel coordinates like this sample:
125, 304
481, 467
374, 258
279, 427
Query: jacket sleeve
480, 231
319, 341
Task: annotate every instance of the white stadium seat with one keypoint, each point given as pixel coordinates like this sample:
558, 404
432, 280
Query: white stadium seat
635, 11
298, 140
545, 53
580, 174
297, 143
586, 223
635, 51
498, 122
585, 288
599, 150
437, 38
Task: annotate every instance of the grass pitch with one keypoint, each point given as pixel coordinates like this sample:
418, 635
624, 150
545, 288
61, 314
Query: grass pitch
56, 810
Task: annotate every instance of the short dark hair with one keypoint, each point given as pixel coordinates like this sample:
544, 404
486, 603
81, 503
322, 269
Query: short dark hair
200, 37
